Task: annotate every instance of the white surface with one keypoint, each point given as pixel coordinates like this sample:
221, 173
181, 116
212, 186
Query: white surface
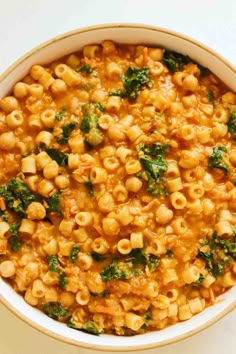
26, 23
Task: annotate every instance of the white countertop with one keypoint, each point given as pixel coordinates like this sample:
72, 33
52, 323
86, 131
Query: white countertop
27, 23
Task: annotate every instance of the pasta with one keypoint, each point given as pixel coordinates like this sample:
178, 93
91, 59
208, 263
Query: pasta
118, 188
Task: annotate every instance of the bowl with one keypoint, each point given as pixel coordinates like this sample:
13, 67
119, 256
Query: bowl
69, 43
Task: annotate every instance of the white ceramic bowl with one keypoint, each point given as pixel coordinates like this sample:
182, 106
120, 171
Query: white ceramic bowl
72, 42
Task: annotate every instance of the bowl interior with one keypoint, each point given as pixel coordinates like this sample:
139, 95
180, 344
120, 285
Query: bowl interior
52, 50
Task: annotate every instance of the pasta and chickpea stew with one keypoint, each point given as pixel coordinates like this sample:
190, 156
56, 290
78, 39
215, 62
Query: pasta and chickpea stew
118, 188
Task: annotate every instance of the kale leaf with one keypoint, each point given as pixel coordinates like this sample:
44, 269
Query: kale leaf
73, 254
17, 196
113, 272
14, 240
66, 131
59, 115
53, 263
216, 159
54, 204
55, 310
210, 96
154, 168
85, 69
60, 157
175, 61
232, 124
89, 185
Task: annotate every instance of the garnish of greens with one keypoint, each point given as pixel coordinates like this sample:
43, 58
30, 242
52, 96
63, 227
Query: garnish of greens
232, 124
133, 80
17, 196
133, 265
60, 157
66, 131
217, 159
55, 310
88, 327
89, 186
89, 125
73, 254
54, 266
15, 240
85, 69
53, 203
154, 166
59, 115
210, 96
218, 252
176, 61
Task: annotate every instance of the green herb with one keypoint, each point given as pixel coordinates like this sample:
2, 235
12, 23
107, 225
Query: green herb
14, 240
54, 204
138, 257
117, 92
102, 295
53, 263
73, 254
134, 79
66, 131
113, 272
4, 216
154, 168
55, 310
216, 159
148, 317
175, 61
62, 280
210, 96
17, 196
203, 71
232, 124
85, 69
154, 150
200, 280
169, 253
89, 124
59, 115
219, 252
92, 328
153, 173
89, 185
99, 106
60, 157
98, 257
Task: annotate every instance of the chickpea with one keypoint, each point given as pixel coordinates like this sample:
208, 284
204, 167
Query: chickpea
58, 87
110, 226
106, 203
9, 104
133, 184
62, 181
36, 211
190, 83
7, 141
51, 170
20, 90
7, 269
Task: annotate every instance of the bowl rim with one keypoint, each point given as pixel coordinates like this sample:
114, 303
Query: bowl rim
18, 313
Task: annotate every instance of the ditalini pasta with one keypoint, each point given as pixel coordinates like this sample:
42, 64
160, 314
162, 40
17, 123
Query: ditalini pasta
118, 188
